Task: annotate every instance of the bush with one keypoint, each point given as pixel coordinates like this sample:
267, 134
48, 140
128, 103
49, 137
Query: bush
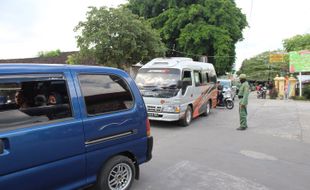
306, 92
298, 98
273, 93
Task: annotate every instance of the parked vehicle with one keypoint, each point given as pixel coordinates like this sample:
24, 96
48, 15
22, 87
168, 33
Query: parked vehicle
177, 89
228, 88
3, 99
225, 100
262, 93
68, 127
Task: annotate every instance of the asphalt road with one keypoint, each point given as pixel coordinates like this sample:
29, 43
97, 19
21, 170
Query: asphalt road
274, 153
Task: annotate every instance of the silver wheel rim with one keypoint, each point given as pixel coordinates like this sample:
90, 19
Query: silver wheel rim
188, 116
120, 177
208, 108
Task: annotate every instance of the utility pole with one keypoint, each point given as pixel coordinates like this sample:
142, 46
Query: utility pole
300, 84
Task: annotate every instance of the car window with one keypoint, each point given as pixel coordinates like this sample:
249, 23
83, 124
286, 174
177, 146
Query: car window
198, 78
105, 93
32, 99
187, 80
206, 78
213, 78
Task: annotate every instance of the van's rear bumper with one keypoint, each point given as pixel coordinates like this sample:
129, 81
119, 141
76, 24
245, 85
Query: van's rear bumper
149, 148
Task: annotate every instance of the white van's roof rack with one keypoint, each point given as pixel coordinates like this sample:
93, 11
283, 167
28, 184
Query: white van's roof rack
177, 62
178, 59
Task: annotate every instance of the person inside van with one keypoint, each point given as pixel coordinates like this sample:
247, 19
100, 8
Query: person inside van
40, 100
54, 98
21, 100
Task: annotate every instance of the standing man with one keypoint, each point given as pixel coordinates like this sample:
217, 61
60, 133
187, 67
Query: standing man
243, 96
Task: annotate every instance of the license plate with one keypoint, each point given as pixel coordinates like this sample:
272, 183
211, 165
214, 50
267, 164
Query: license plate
153, 114
150, 93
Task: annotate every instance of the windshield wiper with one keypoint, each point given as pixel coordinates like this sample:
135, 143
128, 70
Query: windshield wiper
157, 88
172, 86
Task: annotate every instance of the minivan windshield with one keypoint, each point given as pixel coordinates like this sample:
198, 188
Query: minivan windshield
157, 77
158, 82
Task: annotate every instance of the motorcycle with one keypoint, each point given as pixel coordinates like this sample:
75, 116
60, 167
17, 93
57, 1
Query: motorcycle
226, 100
262, 93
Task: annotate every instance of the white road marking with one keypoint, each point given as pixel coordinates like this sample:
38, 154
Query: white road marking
186, 175
257, 155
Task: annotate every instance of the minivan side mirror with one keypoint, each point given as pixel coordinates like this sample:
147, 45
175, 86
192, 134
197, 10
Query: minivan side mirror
179, 84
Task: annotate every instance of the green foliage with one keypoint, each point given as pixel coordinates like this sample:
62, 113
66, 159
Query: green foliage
298, 98
74, 59
196, 27
306, 91
116, 37
71, 59
258, 67
46, 54
82, 59
297, 43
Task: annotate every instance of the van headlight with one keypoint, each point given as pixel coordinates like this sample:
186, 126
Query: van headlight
171, 109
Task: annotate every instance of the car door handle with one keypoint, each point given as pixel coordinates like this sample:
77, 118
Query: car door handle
1, 146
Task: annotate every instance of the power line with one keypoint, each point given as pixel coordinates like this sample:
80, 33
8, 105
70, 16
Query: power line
196, 55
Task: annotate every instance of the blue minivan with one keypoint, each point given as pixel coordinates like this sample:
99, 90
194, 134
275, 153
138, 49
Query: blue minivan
71, 127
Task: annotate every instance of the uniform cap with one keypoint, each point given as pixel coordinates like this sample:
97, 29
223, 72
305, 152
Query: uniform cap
242, 76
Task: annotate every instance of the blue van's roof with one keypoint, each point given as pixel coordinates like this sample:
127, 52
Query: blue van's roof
19, 67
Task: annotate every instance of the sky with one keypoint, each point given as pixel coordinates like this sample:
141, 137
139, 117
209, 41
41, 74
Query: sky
30, 26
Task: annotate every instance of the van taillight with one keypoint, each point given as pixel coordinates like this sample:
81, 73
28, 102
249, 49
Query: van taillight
148, 127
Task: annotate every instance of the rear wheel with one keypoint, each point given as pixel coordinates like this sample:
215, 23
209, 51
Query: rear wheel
117, 174
186, 120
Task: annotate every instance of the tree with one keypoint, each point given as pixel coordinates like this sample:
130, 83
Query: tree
196, 27
116, 37
297, 43
46, 54
260, 69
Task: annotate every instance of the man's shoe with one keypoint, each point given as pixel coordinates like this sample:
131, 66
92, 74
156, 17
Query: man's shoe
241, 128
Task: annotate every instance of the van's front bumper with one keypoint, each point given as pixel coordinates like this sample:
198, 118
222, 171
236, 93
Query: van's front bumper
164, 116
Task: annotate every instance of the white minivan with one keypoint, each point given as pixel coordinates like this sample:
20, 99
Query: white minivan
177, 89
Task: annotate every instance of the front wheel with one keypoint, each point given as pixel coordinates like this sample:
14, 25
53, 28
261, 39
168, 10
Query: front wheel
117, 174
186, 120
229, 104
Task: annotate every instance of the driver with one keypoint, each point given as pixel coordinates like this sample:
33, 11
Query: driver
219, 92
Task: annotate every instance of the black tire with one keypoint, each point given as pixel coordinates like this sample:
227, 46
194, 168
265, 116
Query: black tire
110, 167
185, 121
207, 109
229, 104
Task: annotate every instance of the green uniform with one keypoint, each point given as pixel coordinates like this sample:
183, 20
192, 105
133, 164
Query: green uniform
243, 95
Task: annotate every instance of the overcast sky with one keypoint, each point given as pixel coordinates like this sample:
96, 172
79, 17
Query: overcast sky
30, 26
